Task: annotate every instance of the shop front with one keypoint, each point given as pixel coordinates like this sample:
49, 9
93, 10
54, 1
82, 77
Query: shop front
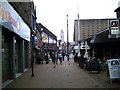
105, 47
6, 49
49, 44
46, 39
15, 38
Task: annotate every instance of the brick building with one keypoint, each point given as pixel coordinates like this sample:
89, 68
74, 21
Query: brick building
89, 27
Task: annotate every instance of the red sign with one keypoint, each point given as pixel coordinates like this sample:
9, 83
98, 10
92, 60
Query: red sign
40, 42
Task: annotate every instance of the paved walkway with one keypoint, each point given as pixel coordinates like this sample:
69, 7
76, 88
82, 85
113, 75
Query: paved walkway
62, 76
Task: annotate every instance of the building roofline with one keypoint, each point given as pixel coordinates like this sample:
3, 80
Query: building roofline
97, 19
118, 9
46, 30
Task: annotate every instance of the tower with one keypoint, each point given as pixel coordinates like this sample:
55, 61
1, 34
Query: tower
62, 36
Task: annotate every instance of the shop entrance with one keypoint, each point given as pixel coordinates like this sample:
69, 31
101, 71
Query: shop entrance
6, 55
26, 55
17, 55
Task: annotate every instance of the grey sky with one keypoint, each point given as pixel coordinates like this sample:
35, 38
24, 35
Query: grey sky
52, 13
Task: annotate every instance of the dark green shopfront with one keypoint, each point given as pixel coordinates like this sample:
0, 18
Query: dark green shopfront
14, 44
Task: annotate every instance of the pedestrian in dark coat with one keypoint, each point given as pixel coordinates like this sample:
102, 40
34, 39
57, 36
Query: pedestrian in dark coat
53, 57
46, 58
63, 55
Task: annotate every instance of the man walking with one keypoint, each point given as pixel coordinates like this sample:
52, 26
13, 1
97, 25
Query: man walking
60, 57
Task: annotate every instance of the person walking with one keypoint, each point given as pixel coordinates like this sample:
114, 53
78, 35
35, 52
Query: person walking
60, 57
53, 57
56, 57
46, 58
63, 55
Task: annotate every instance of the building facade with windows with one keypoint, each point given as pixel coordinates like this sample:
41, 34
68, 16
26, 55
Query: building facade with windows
15, 38
89, 27
101, 35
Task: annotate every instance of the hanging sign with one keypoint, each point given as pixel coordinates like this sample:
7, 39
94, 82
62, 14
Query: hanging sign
44, 38
114, 27
40, 42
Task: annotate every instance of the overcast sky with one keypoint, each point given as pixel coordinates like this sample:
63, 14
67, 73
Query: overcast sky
52, 13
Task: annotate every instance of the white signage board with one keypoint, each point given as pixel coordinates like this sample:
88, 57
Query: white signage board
114, 68
114, 26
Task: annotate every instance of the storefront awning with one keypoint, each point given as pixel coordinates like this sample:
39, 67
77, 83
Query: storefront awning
101, 37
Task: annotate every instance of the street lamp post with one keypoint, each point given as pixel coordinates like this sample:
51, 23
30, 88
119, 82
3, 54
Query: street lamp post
32, 39
67, 41
32, 53
78, 36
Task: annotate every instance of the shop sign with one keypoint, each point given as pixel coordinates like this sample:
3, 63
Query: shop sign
11, 20
114, 27
114, 68
40, 42
44, 37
